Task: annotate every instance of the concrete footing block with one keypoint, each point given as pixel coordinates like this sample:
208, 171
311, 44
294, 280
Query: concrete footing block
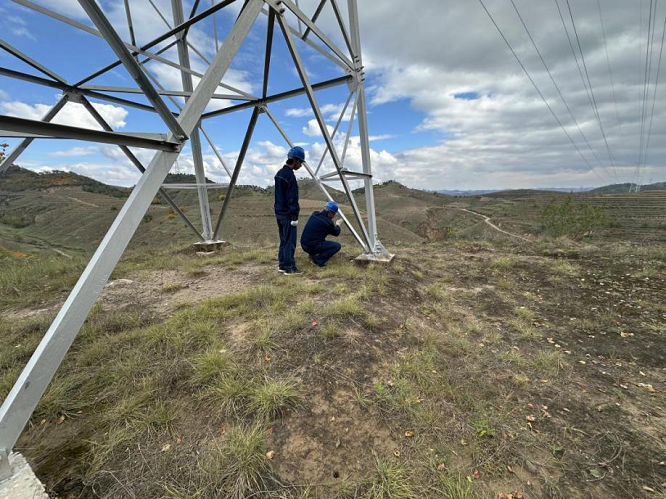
209, 246
22, 484
366, 258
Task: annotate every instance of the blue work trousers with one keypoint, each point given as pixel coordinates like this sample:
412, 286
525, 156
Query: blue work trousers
323, 252
288, 235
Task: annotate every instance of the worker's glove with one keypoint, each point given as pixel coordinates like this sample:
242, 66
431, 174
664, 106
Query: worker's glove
339, 222
294, 223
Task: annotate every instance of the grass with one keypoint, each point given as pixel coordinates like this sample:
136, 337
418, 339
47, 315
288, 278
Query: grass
502, 263
330, 330
245, 360
565, 268
349, 306
390, 481
212, 365
458, 488
28, 280
235, 464
173, 287
523, 323
273, 398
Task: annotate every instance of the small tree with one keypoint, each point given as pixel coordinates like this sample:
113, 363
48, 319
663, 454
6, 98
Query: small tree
571, 218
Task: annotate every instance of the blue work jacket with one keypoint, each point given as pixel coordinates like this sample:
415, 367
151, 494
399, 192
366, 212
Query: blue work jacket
319, 226
286, 194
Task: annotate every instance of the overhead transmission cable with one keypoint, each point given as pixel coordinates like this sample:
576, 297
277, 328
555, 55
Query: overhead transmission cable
557, 87
634, 178
610, 75
589, 82
646, 86
580, 69
499, 30
648, 77
654, 98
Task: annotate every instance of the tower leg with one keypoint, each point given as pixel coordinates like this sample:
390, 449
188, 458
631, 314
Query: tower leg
377, 250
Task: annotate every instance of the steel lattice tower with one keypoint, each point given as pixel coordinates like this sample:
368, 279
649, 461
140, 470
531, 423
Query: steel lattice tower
185, 124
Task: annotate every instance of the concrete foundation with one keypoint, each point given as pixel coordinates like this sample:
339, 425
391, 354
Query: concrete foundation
22, 484
208, 246
374, 258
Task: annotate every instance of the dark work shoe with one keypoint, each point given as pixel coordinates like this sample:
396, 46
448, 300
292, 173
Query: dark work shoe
282, 269
294, 271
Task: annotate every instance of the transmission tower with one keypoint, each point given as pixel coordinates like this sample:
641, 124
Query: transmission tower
185, 122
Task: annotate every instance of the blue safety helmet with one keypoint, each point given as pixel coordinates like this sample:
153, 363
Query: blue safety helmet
296, 153
332, 206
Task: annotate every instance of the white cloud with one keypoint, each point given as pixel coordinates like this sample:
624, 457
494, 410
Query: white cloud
313, 129
377, 138
507, 137
75, 151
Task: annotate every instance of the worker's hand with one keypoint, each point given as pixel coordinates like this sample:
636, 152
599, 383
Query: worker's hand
294, 223
339, 222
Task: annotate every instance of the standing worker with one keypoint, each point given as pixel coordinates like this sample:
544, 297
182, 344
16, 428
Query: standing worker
320, 225
287, 210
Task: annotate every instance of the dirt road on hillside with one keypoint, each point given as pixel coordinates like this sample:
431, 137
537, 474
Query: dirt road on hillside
487, 220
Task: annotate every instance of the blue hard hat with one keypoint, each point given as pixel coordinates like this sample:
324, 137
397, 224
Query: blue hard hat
332, 206
297, 153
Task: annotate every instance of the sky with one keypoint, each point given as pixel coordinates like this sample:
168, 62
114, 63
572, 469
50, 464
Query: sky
449, 106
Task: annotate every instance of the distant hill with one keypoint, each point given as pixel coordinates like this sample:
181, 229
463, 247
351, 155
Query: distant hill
183, 178
625, 188
17, 179
481, 192
70, 212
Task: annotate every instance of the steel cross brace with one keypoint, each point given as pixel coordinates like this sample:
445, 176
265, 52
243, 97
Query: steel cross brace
320, 118
33, 381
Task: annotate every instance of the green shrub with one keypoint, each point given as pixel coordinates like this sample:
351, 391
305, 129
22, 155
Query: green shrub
571, 218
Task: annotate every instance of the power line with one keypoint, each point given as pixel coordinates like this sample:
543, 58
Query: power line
580, 69
594, 100
554, 82
646, 82
654, 98
646, 88
536, 87
634, 176
610, 75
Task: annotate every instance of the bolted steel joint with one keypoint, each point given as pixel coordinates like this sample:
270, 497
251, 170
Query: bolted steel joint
279, 7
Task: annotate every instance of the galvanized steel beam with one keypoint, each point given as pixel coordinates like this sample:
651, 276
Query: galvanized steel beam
14, 124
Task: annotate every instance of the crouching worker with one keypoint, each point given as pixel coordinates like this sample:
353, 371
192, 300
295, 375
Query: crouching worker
320, 225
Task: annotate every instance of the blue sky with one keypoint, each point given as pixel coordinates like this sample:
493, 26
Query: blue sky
448, 108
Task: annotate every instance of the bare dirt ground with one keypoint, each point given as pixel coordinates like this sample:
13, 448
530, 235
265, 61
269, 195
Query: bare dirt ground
161, 291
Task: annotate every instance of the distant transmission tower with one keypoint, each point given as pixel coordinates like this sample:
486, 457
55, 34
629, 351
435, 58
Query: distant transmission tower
185, 124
